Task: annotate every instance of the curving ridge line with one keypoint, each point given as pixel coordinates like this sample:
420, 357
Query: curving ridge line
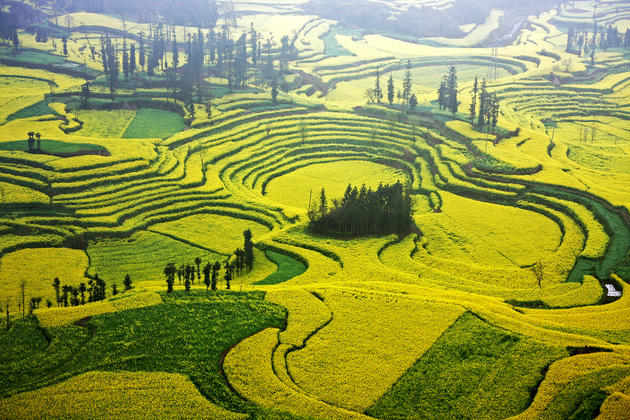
248, 367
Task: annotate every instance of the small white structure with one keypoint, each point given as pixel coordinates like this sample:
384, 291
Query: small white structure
612, 292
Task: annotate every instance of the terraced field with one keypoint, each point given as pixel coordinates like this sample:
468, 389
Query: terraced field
507, 297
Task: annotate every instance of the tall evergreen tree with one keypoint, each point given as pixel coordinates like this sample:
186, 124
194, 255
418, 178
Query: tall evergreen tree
16, 40
494, 115
451, 86
594, 43
104, 55
378, 91
64, 42
413, 102
407, 84
248, 247
228, 273
268, 71
215, 275
442, 94
125, 61
483, 104
212, 45
253, 42
206, 275
390, 90
323, 203
132, 59
175, 53
284, 54
570, 38
142, 54
127, 283
198, 264
473, 102
169, 273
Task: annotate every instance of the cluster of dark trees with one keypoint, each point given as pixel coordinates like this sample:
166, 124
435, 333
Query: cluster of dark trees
68, 295
363, 211
235, 265
8, 31
447, 92
233, 59
34, 142
486, 114
41, 35
405, 96
582, 40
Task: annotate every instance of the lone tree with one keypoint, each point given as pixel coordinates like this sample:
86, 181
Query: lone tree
64, 41
248, 247
323, 203
407, 84
127, 283
473, 102
169, 273
390, 90
451, 86
413, 102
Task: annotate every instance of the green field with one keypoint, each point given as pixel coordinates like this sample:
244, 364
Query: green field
209, 324
150, 123
55, 147
288, 268
493, 282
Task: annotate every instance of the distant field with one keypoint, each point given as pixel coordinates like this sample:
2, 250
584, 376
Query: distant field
222, 234
143, 256
288, 268
295, 188
149, 347
150, 123
471, 360
424, 79
55, 147
119, 393
488, 234
38, 267
108, 124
